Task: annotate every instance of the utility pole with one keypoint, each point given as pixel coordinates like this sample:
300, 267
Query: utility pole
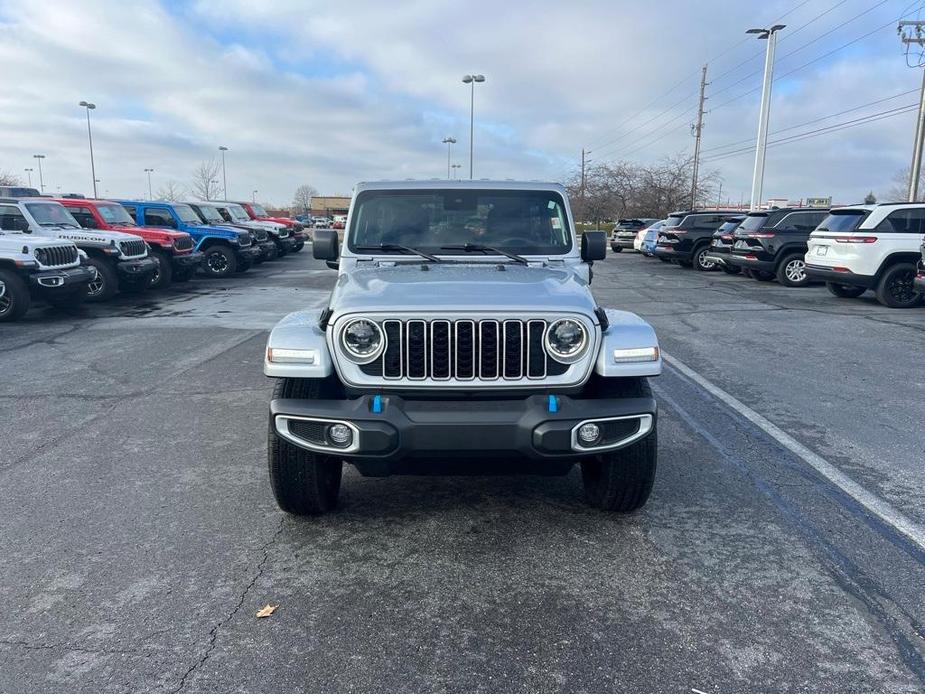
29, 173
769, 35
698, 132
472, 80
150, 194
719, 196
224, 149
89, 107
914, 37
41, 177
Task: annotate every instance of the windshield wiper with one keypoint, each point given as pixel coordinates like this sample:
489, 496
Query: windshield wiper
479, 248
399, 247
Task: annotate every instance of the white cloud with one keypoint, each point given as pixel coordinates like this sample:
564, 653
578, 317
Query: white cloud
330, 93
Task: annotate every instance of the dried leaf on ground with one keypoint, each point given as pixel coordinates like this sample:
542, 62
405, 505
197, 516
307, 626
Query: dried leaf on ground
266, 610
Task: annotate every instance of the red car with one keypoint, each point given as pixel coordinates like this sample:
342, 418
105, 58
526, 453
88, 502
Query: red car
173, 250
256, 211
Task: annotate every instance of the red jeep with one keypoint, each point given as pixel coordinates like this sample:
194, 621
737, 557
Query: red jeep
173, 250
256, 211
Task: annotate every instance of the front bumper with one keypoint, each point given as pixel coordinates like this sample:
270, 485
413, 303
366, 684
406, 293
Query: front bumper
390, 428
187, 261
267, 249
61, 280
826, 274
249, 255
286, 244
136, 270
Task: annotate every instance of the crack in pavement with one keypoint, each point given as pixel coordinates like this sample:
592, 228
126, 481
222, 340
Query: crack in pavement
213, 633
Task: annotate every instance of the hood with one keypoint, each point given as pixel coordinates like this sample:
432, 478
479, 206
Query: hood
279, 220
208, 229
150, 232
101, 236
469, 287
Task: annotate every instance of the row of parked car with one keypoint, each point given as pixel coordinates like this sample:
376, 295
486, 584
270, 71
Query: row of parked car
851, 249
73, 249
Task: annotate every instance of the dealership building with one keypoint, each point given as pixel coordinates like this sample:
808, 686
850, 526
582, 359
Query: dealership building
330, 205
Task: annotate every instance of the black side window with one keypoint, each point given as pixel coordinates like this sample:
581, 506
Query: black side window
158, 217
909, 221
12, 219
803, 222
84, 217
131, 209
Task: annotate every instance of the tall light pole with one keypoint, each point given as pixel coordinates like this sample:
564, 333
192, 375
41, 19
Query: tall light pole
449, 142
150, 194
910, 33
89, 107
29, 174
471, 80
254, 196
224, 179
456, 168
761, 147
41, 178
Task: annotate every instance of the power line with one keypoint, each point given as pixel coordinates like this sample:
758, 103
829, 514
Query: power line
751, 140
822, 131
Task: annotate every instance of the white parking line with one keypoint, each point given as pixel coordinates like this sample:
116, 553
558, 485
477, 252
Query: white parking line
874, 504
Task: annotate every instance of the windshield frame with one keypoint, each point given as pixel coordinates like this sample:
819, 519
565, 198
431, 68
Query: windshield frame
569, 247
127, 222
32, 206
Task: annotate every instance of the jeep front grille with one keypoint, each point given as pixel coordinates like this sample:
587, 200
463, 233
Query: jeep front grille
244, 239
464, 350
184, 243
260, 234
132, 248
56, 256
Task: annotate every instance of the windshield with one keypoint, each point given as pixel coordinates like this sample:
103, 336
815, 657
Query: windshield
238, 213
115, 214
753, 222
847, 220
259, 211
210, 214
186, 214
51, 214
523, 222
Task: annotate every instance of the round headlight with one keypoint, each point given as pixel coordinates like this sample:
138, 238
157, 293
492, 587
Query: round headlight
566, 340
363, 340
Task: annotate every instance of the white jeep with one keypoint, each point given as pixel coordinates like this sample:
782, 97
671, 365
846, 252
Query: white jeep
865, 247
461, 336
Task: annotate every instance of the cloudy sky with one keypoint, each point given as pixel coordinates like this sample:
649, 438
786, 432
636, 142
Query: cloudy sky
329, 93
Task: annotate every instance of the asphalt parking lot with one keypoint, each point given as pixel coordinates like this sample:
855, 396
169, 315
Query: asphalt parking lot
140, 537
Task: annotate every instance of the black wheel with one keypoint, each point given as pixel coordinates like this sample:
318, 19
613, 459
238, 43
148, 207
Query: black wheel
163, 275
106, 283
617, 249
298, 247
844, 291
67, 300
731, 269
14, 296
281, 250
622, 480
219, 261
700, 262
896, 288
272, 253
762, 276
304, 483
791, 271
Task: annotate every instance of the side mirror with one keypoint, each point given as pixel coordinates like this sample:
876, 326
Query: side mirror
325, 245
593, 246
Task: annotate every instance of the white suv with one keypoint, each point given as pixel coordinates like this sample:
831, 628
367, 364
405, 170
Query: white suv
869, 247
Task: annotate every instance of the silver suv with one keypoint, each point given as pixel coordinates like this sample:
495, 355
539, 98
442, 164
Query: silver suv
461, 336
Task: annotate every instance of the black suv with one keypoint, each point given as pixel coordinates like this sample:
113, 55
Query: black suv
624, 233
721, 245
686, 237
772, 243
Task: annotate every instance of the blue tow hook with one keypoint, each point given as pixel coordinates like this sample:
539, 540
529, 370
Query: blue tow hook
553, 404
376, 405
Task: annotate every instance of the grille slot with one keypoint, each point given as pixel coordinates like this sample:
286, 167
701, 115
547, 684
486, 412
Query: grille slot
464, 350
183, 243
132, 248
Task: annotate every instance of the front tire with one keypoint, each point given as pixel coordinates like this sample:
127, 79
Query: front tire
791, 272
304, 483
731, 269
844, 291
16, 299
896, 288
219, 262
617, 249
106, 283
622, 480
163, 276
701, 263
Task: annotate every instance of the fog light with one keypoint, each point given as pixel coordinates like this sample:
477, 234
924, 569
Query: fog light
589, 433
340, 435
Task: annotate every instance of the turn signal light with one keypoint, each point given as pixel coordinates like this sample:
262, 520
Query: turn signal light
275, 355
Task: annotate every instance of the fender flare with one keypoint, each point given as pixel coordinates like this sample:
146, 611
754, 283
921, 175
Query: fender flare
300, 331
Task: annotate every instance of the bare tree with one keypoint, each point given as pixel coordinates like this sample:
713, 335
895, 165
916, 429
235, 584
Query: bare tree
8, 179
899, 191
172, 191
302, 200
205, 183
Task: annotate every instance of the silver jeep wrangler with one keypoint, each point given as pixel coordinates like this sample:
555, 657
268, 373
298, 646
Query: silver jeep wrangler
461, 337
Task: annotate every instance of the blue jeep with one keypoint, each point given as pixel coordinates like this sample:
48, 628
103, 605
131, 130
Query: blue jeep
225, 250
